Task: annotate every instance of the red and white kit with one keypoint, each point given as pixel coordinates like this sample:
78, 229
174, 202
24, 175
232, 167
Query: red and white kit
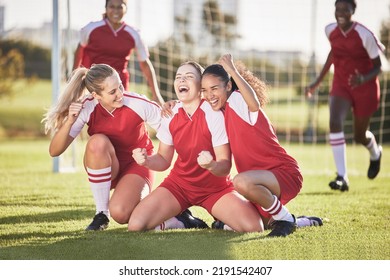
353, 51
125, 127
103, 44
261, 149
187, 181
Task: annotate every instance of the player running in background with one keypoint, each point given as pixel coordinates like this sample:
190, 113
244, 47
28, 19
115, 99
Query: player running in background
116, 123
200, 173
111, 41
267, 175
355, 56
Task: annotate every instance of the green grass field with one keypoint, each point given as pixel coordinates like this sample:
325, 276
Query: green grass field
43, 215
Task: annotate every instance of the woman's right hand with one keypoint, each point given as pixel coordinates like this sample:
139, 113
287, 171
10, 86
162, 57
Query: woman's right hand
227, 63
167, 107
74, 111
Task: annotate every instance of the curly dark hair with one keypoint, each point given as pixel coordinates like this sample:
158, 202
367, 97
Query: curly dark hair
259, 86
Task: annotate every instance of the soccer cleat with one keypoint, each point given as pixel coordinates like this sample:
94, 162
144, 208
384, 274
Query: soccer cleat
217, 224
190, 221
375, 166
99, 222
282, 228
309, 221
339, 184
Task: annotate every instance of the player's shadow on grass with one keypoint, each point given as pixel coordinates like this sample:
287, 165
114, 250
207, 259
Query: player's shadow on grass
50, 217
119, 244
330, 192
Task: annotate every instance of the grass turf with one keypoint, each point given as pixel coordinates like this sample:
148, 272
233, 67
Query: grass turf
43, 215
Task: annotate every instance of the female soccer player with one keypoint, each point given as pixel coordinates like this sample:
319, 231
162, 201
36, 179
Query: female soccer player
267, 175
200, 173
116, 125
111, 41
355, 56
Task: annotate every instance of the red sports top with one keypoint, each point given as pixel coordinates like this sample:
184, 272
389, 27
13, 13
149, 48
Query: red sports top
352, 50
103, 44
252, 138
190, 135
125, 126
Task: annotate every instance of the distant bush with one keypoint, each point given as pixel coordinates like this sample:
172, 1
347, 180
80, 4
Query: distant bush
37, 60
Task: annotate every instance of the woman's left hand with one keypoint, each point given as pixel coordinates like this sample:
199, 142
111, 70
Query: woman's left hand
356, 79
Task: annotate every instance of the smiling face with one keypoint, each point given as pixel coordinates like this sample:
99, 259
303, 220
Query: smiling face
111, 97
343, 14
115, 10
215, 91
187, 83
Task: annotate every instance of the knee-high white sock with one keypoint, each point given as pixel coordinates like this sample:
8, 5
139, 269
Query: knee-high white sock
337, 142
278, 211
372, 147
100, 183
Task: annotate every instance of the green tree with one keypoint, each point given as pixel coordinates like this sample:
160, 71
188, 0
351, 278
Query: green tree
37, 60
11, 69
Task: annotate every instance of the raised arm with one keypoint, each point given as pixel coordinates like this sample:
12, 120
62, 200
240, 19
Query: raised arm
246, 90
61, 139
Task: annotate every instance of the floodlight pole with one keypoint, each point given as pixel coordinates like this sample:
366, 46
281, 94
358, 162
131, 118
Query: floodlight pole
55, 66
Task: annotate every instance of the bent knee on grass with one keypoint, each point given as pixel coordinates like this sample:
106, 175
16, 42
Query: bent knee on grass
136, 225
121, 215
250, 226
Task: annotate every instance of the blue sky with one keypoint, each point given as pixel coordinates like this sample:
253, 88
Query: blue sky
263, 24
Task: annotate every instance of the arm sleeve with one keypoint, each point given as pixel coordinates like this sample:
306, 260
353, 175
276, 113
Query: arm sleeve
141, 48
370, 42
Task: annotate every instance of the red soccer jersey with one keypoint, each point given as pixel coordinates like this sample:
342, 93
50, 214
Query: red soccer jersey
190, 135
252, 138
125, 126
352, 50
103, 44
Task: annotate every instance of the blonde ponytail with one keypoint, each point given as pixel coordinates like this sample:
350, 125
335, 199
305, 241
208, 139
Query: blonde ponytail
73, 92
80, 86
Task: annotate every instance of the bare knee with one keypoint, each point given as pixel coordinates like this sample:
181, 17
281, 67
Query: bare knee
97, 144
242, 184
120, 214
250, 225
136, 224
255, 226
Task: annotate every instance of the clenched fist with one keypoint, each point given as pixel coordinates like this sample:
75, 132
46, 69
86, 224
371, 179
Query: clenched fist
205, 159
140, 156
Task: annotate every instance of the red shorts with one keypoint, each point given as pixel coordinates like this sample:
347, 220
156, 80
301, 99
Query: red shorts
134, 168
290, 182
364, 98
188, 195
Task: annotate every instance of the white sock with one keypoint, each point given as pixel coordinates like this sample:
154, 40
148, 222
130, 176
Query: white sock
303, 222
226, 227
279, 211
170, 224
337, 142
372, 147
100, 183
